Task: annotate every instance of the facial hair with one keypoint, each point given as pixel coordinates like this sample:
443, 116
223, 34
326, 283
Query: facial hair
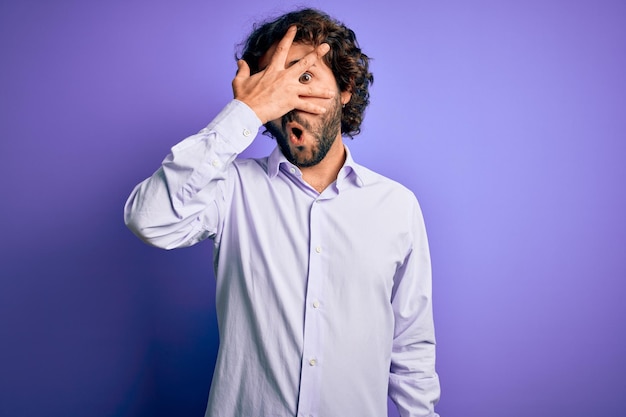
324, 134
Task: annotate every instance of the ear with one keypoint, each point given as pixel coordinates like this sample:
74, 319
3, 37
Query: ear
345, 97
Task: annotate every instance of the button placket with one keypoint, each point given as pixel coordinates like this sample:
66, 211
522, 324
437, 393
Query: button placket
313, 346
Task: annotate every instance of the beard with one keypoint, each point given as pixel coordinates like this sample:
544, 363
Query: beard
324, 134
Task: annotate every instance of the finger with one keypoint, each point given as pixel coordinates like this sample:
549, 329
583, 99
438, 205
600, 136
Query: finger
311, 58
309, 107
306, 91
243, 70
282, 49
322, 50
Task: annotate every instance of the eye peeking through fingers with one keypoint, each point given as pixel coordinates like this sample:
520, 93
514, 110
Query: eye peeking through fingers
305, 78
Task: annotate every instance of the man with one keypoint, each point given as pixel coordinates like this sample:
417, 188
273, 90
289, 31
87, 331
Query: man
322, 266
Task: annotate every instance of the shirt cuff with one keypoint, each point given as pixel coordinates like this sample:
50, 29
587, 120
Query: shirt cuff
237, 124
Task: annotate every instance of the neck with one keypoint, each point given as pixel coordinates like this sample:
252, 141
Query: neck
324, 173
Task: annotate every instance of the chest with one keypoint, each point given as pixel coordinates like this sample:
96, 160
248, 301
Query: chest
356, 238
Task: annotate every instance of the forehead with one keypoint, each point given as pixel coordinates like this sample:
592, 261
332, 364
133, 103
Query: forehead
296, 52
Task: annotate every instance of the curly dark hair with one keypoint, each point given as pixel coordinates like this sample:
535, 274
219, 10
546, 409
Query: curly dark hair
348, 63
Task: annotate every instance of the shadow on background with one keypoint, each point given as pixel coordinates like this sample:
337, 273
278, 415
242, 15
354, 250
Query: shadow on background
102, 325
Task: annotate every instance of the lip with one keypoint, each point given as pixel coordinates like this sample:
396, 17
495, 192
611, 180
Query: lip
295, 132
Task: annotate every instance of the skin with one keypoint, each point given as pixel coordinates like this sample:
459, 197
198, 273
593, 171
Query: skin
281, 87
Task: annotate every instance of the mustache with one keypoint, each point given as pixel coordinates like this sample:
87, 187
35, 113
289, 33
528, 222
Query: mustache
294, 116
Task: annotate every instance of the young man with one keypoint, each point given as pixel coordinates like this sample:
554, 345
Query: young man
322, 266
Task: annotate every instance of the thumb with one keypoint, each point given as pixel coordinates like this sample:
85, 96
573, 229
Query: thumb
243, 70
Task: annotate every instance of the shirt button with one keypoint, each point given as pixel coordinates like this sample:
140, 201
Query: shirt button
318, 249
246, 132
292, 170
215, 163
312, 362
316, 304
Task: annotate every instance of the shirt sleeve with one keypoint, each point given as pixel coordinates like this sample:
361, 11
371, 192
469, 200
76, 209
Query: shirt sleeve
413, 382
183, 202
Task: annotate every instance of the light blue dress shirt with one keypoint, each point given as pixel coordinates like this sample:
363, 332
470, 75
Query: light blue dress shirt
323, 300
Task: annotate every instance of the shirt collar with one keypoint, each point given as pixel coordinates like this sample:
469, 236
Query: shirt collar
350, 172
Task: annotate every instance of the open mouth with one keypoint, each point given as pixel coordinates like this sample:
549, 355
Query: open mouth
296, 132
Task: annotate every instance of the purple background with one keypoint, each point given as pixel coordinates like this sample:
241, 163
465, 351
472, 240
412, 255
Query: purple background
506, 118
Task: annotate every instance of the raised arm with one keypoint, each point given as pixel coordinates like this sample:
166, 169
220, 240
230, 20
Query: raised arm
183, 202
